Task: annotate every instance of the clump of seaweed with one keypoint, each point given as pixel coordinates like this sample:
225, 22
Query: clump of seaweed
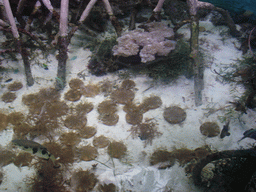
83, 181
15, 86
76, 84
170, 68
122, 96
174, 114
88, 153
75, 121
15, 118
8, 97
117, 149
3, 121
21, 130
70, 138
48, 94
101, 141
73, 95
84, 108
23, 159
87, 132
210, 129
146, 131
91, 90
47, 179
150, 103
64, 154
6, 156
109, 119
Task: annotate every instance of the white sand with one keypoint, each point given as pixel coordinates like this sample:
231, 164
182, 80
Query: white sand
134, 172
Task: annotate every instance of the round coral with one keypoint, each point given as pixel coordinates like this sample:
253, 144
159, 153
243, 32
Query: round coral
8, 97
107, 107
122, 96
134, 118
15, 86
151, 102
87, 132
88, 153
70, 139
76, 84
174, 115
210, 129
101, 141
84, 108
128, 84
117, 149
109, 119
73, 95
75, 122
91, 90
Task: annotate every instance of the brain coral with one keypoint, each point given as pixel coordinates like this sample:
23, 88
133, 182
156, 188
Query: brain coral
152, 40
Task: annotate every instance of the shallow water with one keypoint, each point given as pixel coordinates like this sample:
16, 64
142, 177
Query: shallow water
135, 131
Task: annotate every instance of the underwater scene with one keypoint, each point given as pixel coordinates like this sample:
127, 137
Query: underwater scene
127, 96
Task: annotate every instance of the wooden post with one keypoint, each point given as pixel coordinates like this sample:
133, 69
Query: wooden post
20, 49
196, 67
63, 45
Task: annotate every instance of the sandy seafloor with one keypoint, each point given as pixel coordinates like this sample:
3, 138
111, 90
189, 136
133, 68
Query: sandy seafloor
137, 175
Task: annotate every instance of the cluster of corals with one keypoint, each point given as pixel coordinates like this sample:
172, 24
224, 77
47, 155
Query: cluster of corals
147, 44
10, 96
77, 89
134, 113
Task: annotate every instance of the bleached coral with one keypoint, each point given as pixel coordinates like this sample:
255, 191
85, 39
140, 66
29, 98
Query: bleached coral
147, 43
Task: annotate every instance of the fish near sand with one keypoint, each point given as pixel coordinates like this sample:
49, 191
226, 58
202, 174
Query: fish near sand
225, 130
251, 133
35, 149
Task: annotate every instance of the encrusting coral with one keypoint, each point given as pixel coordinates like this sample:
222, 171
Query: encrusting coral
147, 44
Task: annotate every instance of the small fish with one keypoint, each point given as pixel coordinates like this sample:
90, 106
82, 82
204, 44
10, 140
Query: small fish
251, 133
225, 130
35, 149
